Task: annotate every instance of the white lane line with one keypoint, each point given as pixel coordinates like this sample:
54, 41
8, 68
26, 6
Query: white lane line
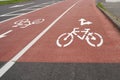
10, 63
30, 12
21, 5
11, 15
5, 34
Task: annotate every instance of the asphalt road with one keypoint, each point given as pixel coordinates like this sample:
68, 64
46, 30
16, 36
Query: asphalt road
13, 10
63, 71
64, 41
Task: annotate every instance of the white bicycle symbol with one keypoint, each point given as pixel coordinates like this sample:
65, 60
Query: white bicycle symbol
90, 37
23, 23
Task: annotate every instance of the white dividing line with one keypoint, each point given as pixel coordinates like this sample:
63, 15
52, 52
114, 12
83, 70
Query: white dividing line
11, 15
21, 5
10, 63
5, 34
30, 12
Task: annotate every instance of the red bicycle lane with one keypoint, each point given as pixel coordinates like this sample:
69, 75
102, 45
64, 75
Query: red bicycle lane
18, 38
47, 50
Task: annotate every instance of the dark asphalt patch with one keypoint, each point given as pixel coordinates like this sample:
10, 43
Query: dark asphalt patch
5, 17
1, 64
63, 71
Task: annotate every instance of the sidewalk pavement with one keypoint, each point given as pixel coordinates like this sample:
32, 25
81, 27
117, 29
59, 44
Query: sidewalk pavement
112, 10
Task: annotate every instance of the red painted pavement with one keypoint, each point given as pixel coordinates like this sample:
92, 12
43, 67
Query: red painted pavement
19, 38
46, 50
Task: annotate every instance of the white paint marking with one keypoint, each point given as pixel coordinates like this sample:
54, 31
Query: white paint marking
9, 64
15, 13
11, 15
84, 22
15, 6
5, 34
21, 5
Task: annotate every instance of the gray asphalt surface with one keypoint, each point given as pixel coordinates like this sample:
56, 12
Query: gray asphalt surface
8, 11
63, 71
114, 8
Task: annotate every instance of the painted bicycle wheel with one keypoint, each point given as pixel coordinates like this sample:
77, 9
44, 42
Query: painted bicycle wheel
64, 40
94, 39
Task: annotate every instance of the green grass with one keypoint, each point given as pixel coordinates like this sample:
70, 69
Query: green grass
100, 5
11, 1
